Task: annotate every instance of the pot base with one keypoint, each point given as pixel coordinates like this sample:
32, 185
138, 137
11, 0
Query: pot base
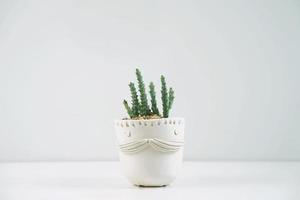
151, 186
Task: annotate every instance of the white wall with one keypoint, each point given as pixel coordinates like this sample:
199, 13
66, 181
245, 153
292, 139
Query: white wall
65, 66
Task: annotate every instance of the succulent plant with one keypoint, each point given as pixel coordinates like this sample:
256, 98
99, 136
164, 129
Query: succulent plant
144, 107
154, 107
135, 105
139, 102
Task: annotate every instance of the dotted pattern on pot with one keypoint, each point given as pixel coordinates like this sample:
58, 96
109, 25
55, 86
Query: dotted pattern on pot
125, 123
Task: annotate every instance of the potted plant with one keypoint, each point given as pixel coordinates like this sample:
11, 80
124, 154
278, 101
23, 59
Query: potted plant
150, 142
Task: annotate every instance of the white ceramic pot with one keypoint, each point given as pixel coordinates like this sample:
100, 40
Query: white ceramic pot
150, 150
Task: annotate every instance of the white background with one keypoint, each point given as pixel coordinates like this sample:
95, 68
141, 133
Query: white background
65, 66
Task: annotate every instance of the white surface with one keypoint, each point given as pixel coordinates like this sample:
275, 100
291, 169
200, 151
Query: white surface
65, 66
103, 180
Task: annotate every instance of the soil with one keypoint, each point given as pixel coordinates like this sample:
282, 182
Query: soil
144, 117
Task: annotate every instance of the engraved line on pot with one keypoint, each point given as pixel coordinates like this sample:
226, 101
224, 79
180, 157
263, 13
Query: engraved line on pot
170, 147
170, 143
133, 143
136, 150
134, 147
157, 144
162, 149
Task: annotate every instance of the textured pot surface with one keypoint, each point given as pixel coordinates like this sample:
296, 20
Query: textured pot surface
150, 150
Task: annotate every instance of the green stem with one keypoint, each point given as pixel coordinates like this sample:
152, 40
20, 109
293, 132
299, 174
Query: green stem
128, 109
153, 99
164, 97
144, 108
171, 99
134, 100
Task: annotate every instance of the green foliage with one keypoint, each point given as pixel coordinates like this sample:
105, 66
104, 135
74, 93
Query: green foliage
135, 105
139, 103
171, 98
144, 108
153, 99
128, 109
164, 97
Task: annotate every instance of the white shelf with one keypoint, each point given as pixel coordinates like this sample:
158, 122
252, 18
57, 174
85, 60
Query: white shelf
103, 180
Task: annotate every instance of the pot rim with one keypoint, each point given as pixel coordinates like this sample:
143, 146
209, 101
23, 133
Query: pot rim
149, 120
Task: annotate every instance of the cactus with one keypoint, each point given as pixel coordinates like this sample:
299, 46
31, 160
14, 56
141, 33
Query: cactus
153, 99
171, 98
139, 103
144, 108
135, 101
164, 97
128, 109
